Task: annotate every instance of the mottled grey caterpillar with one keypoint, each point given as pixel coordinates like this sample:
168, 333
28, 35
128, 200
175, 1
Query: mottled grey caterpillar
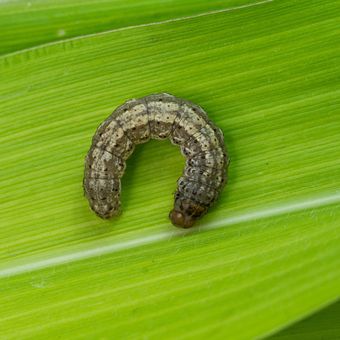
158, 116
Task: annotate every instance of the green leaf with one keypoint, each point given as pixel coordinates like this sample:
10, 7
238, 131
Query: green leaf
265, 256
323, 325
24, 24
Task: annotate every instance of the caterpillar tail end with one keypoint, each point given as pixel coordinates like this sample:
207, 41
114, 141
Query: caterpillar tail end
108, 215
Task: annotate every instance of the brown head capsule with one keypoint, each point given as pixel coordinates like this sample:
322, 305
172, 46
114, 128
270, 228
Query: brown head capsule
158, 116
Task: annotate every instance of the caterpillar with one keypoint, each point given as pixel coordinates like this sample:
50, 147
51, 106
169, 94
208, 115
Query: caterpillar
158, 116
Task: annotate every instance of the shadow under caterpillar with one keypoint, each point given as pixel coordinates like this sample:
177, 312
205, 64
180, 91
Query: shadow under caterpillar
158, 116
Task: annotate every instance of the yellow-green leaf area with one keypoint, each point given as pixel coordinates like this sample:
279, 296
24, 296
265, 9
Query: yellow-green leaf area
266, 255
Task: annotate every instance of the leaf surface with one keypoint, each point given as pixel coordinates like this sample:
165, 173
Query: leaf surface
266, 255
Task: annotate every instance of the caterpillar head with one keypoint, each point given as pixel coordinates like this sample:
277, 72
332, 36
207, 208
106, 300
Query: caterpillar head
186, 212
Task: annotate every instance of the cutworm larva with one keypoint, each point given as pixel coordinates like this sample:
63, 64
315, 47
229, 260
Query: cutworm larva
158, 116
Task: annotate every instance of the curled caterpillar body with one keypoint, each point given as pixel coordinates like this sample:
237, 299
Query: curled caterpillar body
158, 116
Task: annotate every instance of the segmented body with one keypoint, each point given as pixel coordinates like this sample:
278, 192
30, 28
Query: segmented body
158, 116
